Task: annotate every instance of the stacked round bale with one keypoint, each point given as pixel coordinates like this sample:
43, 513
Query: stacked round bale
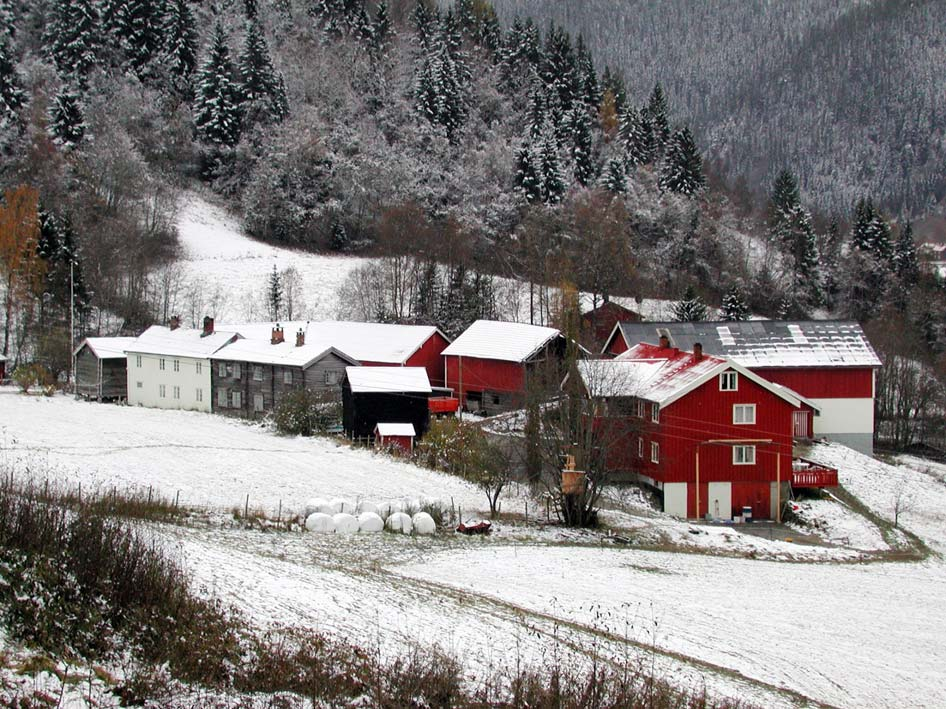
340, 516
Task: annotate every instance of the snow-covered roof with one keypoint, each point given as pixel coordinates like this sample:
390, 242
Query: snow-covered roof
662, 375
395, 429
388, 380
106, 347
181, 342
365, 342
764, 343
285, 353
507, 341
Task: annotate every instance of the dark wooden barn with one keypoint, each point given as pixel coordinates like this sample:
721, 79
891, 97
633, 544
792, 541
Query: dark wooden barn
373, 395
101, 368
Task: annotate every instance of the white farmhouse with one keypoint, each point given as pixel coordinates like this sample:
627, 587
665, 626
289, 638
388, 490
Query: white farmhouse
169, 367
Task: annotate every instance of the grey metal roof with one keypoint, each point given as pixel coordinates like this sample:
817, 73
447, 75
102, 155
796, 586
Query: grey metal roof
766, 343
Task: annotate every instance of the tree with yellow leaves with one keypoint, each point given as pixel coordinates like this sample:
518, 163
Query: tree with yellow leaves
21, 268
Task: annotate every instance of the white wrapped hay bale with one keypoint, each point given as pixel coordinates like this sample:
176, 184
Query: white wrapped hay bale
345, 523
316, 504
370, 523
423, 523
320, 523
399, 522
340, 504
365, 506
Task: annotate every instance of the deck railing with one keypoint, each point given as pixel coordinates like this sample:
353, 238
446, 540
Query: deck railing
806, 473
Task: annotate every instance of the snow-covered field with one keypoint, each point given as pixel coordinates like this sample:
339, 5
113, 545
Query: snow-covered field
771, 632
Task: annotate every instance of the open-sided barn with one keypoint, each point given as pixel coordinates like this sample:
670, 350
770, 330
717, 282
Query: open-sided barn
101, 368
373, 395
489, 365
829, 362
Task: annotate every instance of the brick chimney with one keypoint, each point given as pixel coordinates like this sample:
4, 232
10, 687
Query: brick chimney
664, 342
174, 322
300, 338
277, 335
208, 326
697, 351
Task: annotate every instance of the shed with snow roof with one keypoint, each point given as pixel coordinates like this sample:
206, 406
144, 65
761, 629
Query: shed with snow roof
373, 395
395, 435
251, 377
101, 368
829, 362
491, 364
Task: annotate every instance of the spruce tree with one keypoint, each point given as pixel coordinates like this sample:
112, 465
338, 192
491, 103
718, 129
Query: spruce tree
528, 178
614, 178
691, 308
71, 38
217, 106
682, 168
383, 31
139, 28
339, 238
589, 90
426, 98
784, 199
908, 267
579, 126
12, 97
658, 116
637, 136
274, 294
613, 81
261, 88
66, 122
734, 305
7, 17
553, 183
560, 68
180, 49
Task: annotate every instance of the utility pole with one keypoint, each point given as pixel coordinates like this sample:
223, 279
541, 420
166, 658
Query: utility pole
460, 385
72, 323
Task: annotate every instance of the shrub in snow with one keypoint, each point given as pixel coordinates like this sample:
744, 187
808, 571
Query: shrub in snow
345, 523
316, 504
320, 523
399, 522
339, 504
305, 413
423, 523
365, 506
384, 510
370, 522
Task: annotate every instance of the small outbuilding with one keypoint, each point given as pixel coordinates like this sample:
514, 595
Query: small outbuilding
101, 368
373, 395
395, 435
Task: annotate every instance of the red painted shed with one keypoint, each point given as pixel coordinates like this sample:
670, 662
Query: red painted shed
710, 435
395, 435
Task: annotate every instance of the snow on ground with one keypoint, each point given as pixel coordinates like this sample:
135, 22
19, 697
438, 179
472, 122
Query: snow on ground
849, 635
833, 521
210, 460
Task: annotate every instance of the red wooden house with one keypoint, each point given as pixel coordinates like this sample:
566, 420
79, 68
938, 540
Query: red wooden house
598, 323
489, 365
712, 436
829, 362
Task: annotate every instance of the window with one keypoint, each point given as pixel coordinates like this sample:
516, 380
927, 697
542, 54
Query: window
743, 414
177, 392
640, 447
199, 367
237, 401
222, 369
162, 391
640, 408
199, 395
655, 413
287, 376
237, 371
257, 373
161, 364
257, 402
331, 377
139, 385
743, 455
729, 381
654, 453
177, 365
138, 361
222, 398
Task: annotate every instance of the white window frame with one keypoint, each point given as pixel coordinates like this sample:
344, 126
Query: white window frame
258, 403
236, 400
222, 401
640, 408
222, 369
198, 367
162, 391
138, 361
743, 455
177, 365
161, 364
237, 370
724, 381
744, 408
287, 377
177, 392
257, 373
139, 385
199, 394
640, 447
654, 452
331, 377
655, 412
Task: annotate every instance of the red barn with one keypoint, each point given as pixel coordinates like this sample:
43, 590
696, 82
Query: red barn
395, 435
598, 323
489, 365
830, 363
710, 435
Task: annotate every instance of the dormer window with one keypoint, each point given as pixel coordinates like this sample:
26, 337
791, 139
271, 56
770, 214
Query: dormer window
729, 381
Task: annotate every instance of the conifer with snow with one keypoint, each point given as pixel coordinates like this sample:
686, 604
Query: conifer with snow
550, 168
734, 305
217, 105
261, 86
138, 27
180, 43
907, 263
528, 178
72, 38
66, 121
658, 117
12, 97
682, 168
274, 294
691, 308
614, 178
579, 128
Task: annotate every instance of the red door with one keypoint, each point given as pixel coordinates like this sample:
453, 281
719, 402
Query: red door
801, 427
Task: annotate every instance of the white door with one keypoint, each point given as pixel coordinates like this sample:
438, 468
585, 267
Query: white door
719, 499
675, 499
